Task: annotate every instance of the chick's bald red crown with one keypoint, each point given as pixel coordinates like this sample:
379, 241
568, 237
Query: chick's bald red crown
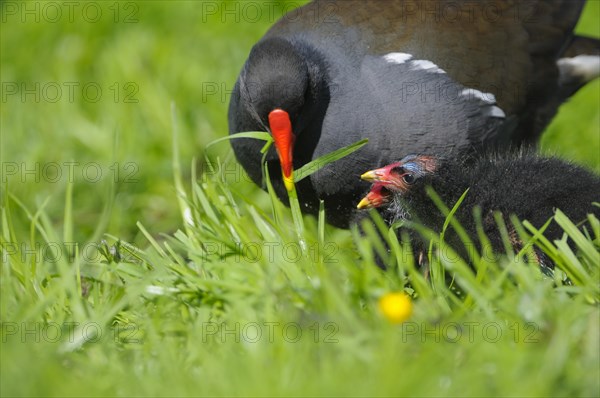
400, 175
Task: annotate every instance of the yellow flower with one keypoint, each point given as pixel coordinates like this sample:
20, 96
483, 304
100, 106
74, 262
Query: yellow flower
396, 307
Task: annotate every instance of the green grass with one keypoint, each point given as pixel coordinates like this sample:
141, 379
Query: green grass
175, 307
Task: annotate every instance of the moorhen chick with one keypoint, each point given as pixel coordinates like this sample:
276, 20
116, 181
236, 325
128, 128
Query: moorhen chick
441, 77
524, 184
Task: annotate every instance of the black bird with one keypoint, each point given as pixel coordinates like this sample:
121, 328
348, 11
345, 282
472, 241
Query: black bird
522, 184
441, 77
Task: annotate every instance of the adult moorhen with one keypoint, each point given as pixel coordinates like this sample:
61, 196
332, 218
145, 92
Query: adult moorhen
440, 77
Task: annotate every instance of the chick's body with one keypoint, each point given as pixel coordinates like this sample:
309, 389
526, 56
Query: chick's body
525, 185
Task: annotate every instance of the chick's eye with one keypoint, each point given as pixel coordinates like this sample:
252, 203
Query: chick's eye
408, 178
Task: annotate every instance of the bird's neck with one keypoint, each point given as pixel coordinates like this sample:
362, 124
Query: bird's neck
448, 184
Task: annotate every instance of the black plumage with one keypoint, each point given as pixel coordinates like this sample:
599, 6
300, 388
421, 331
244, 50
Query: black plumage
523, 184
411, 76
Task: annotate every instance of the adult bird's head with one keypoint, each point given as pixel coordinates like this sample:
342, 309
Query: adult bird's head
399, 177
278, 87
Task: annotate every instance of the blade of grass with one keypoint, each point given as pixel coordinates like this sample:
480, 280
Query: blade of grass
259, 135
68, 214
321, 229
177, 179
275, 203
438, 274
150, 239
297, 217
319, 163
586, 247
460, 230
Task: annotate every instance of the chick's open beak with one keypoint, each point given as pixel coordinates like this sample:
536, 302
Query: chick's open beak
365, 203
281, 129
377, 196
371, 176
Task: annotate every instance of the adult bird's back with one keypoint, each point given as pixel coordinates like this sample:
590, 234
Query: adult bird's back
441, 77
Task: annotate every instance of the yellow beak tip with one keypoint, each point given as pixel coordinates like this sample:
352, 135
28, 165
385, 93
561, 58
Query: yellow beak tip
368, 176
363, 204
289, 182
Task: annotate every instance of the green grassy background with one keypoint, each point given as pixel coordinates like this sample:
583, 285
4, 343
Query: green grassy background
177, 53
188, 54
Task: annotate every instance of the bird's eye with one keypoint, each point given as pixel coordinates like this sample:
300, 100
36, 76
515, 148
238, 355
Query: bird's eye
408, 178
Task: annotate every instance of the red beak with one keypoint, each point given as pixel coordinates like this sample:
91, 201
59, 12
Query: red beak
281, 129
